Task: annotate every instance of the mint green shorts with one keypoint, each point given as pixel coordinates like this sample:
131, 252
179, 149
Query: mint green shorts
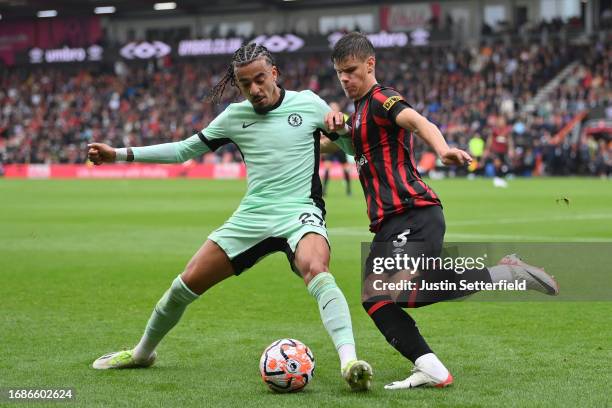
252, 233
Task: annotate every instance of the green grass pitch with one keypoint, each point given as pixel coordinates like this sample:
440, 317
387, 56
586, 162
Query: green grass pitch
82, 263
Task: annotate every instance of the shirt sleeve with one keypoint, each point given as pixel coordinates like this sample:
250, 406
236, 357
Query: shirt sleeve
207, 140
321, 109
216, 134
388, 103
343, 141
177, 152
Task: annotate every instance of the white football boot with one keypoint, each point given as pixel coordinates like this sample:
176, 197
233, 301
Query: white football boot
535, 277
425, 374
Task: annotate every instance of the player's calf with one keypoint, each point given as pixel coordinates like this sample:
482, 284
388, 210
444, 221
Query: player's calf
398, 327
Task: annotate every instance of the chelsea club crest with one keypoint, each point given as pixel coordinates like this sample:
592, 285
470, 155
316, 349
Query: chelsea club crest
294, 119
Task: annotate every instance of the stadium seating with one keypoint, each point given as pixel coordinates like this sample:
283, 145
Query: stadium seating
49, 115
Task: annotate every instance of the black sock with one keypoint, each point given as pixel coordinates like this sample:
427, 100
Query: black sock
347, 179
398, 327
325, 180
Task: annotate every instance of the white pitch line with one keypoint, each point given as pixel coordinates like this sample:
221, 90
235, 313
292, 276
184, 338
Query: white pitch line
359, 232
350, 231
362, 231
527, 238
528, 220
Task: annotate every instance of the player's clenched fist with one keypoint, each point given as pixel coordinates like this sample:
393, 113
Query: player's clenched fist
100, 153
334, 121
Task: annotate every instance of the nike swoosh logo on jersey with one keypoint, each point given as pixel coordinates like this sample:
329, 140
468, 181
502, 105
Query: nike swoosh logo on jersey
244, 125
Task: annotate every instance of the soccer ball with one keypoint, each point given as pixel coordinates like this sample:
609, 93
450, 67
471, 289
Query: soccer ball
287, 365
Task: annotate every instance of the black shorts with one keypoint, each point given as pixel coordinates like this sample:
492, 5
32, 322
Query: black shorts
422, 224
338, 157
416, 233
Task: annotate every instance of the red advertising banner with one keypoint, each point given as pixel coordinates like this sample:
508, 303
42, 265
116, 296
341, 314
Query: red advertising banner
47, 33
408, 17
138, 170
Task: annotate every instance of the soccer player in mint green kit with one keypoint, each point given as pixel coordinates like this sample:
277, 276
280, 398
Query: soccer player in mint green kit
281, 211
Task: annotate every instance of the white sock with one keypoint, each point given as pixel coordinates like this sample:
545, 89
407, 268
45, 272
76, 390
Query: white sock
430, 364
347, 353
501, 272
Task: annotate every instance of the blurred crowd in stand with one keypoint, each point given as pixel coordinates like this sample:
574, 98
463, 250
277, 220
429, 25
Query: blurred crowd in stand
478, 96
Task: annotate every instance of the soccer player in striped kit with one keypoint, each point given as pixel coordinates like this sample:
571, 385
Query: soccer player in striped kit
402, 208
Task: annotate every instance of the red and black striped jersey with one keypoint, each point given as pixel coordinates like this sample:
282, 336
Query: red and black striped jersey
385, 158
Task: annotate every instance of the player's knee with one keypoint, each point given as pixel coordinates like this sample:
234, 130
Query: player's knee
189, 278
194, 278
190, 267
312, 269
190, 272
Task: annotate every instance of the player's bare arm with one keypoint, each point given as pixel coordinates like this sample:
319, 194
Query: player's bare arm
412, 120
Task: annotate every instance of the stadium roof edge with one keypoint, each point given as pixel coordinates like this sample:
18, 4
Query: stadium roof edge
23, 9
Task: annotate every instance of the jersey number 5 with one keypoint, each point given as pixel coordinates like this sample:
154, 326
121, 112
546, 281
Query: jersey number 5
401, 239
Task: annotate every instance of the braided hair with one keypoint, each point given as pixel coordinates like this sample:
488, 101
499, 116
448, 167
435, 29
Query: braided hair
243, 56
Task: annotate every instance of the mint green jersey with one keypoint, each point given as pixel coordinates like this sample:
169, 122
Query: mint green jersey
280, 148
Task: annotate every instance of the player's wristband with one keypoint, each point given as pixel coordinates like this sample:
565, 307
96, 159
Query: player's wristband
121, 154
124, 154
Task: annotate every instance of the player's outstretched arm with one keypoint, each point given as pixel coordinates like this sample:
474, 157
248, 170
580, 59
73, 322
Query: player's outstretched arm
410, 119
177, 152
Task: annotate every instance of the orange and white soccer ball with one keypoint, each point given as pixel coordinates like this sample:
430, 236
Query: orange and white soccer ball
287, 365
